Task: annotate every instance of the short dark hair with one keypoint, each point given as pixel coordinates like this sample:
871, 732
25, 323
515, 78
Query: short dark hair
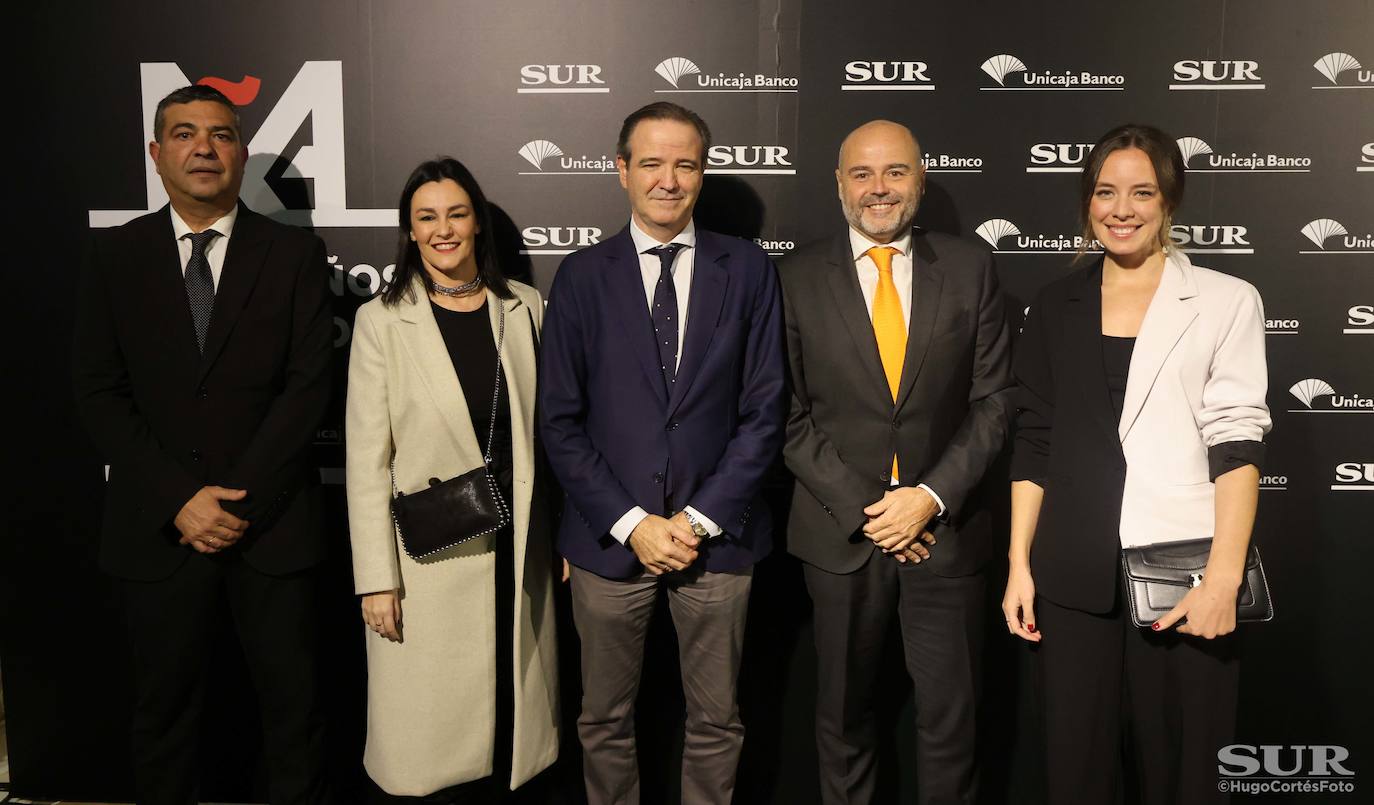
408, 263
195, 92
662, 110
1164, 157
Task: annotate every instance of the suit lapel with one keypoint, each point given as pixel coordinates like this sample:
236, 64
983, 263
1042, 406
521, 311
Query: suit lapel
709, 282
1083, 323
248, 248
849, 301
625, 292
168, 286
1167, 318
517, 363
927, 280
425, 345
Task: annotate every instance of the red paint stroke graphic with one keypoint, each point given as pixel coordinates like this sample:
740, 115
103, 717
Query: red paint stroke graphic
239, 93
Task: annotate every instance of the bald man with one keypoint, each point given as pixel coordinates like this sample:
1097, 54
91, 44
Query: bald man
900, 362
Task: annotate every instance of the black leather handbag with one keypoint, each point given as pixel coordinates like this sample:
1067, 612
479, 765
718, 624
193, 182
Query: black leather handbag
449, 513
1158, 576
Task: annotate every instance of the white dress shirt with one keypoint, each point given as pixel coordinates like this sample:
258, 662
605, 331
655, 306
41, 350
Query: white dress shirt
214, 250
901, 277
650, 268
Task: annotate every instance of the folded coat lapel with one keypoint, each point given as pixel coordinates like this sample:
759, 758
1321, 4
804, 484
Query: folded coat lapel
849, 300
1083, 324
927, 280
169, 290
243, 262
625, 291
710, 278
1168, 317
517, 359
422, 341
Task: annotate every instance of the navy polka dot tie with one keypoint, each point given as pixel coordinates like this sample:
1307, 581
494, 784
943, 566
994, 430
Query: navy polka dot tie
664, 313
200, 283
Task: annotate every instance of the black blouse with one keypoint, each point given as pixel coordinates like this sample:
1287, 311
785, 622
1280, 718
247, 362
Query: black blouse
472, 348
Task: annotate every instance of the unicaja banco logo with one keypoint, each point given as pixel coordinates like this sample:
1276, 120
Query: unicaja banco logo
1333, 65
1322, 230
537, 152
1001, 67
678, 71
996, 230
1310, 391
1212, 162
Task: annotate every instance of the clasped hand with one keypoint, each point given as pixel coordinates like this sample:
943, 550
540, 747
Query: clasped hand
663, 544
897, 523
207, 527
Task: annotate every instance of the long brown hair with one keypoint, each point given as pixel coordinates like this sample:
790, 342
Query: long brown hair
1164, 157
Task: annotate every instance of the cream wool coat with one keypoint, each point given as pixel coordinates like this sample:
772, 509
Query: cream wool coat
430, 698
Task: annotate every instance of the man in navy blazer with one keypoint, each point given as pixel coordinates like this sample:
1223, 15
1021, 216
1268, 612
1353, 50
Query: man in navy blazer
662, 403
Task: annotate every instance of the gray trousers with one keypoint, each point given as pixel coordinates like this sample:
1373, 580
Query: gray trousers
612, 618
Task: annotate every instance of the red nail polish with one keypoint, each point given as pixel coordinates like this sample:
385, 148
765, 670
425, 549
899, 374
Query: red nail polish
1155, 626
1030, 627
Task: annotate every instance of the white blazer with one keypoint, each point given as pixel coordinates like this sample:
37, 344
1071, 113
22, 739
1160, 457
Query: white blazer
1198, 378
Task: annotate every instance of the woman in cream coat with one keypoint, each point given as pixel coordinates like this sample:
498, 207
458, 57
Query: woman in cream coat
448, 632
1140, 418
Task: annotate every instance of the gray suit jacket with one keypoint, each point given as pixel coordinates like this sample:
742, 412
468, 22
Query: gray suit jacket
950, 420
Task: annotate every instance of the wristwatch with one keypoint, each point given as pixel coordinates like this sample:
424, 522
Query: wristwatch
697, 527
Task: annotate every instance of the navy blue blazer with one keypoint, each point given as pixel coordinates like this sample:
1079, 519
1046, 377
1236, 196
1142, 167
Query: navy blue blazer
614, 436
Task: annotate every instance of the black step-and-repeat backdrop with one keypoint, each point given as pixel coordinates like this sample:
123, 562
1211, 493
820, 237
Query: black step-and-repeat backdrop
1272, 104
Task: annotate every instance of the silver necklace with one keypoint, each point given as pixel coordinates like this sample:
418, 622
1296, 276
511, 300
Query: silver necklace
457, 290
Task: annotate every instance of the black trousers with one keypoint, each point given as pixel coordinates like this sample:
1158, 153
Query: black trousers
941, 622
171, 631
1171, 697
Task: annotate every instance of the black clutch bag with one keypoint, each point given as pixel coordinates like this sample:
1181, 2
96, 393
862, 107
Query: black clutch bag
1158, 576
449, 513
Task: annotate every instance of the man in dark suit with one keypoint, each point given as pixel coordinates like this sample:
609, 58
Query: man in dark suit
662, 396
899, 358
201, 368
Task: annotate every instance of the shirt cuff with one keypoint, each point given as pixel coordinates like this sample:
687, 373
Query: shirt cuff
712, 530
938, 502
627, 522
1226, 456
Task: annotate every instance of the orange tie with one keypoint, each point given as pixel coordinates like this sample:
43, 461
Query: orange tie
888, 326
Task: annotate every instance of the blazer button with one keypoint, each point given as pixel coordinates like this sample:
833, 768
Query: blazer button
672, 426
202, 393
195, 454
658, 477
885, 477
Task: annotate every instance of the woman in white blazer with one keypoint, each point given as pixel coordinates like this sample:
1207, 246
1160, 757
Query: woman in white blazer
461, 658
1140, 418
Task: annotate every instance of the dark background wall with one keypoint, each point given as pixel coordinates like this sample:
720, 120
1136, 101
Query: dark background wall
353, 94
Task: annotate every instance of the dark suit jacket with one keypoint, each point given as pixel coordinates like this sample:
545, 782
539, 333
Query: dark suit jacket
1194, 401
951, 416
615, 438
243, 415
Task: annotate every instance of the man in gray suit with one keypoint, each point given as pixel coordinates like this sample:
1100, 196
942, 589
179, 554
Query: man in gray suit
900, 362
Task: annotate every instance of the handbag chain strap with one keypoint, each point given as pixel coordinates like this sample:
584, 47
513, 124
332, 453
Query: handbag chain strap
496, 388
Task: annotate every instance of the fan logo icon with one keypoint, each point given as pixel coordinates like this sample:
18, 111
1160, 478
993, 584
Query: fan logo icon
536, 152
1312, 391
1322, 230
677, 69
1334, 66
1213, 74
995, 230
1233, 162
1001, 67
